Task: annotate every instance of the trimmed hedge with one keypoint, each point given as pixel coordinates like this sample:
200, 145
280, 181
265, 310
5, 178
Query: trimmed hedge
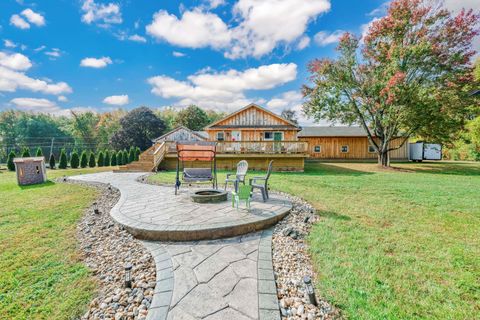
74, 160
84, 159
63, 163
10, 164
92, 162
52, 161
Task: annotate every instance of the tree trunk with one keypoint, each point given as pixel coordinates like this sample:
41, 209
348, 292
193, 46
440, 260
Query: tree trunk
384, 158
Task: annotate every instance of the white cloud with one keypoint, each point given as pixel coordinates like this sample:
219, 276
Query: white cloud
35, 105
325, 38
195, 29
303, 42
215, 3
15, 61
103, 14
380, 10
267, 23
96, 62
9, 44
224, 90
41, 48
455, 5
19, 22
62, 98
178, 54
120, 100
262, 26
137, 38
12, 77
33, 17
54, 53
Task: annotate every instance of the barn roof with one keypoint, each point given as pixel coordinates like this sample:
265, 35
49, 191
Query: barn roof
344, 131
195, 133
288, 123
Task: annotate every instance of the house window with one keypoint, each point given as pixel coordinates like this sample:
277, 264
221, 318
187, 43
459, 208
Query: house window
344, 149
317, 149
371, 149
37, 169
268, 135
220, 136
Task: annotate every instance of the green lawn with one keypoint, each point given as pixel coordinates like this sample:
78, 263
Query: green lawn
41, 276
395, 244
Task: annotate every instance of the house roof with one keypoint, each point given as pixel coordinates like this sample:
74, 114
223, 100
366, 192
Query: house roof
196, 133
28, 159
344, 131
251, 105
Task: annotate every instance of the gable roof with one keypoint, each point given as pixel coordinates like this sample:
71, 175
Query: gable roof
253, 105
344, 131
195, 133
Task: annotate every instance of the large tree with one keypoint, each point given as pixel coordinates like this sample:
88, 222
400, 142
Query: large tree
290, 115
138, 128
192, 117
410, 75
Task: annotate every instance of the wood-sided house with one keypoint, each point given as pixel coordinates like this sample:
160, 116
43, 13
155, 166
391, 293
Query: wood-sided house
346, 143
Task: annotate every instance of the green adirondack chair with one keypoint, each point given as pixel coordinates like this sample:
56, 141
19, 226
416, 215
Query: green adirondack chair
244, 193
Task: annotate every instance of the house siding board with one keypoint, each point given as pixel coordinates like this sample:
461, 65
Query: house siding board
358, 148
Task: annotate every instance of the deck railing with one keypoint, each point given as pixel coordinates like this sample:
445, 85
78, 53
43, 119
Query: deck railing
253, 147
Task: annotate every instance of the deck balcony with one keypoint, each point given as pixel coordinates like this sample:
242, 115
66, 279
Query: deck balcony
256, 147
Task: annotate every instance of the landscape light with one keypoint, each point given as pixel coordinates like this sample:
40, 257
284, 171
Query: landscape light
309, 290
64, 178
128, 275
109, 187
95, 208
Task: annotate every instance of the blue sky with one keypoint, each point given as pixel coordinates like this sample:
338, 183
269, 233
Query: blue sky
62, 55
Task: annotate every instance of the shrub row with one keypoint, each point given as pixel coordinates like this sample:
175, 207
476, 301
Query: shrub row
85, 159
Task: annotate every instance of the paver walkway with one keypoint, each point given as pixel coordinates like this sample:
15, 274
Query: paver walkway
230, 278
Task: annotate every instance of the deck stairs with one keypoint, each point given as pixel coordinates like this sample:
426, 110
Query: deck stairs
148, 161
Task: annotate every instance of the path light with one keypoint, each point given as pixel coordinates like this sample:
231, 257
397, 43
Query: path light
64, 178
109, 187
309, 289
95, 208
128, 275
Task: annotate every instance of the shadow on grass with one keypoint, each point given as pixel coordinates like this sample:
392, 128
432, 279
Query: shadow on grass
447, 168
333, 215
38, 186
324, 169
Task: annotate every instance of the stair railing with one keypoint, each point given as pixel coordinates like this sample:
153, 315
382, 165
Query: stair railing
158, 154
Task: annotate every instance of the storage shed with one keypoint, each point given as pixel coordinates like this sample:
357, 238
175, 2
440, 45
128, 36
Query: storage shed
30, 170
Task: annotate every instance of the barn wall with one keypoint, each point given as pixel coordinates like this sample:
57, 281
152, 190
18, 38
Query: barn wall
252, 135
358, 148
253, 116
254, 163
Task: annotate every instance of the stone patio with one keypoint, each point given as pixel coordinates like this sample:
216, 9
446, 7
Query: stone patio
152, 212
228, 278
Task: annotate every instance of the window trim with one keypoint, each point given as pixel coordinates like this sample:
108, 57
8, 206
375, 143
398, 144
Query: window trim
347, 151
373, 150
267, 139
319, 149
273, 135
223, 136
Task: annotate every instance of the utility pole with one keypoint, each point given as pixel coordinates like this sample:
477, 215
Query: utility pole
51, 147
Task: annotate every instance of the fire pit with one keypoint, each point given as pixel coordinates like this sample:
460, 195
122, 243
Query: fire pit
209, 196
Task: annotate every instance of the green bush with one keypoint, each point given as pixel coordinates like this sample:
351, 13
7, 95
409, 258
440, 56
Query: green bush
131, 155
10, 164
39, 152
137, 153
91, 162
25, 153
74, 160
100, 159
52, 161
113, 160
125, 156
62, 164
120, 158
84, 159
106, 161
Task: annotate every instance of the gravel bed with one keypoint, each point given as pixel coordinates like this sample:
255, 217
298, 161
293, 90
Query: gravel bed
106, 248
291, 262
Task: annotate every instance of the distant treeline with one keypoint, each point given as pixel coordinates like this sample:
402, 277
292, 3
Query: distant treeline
93, 132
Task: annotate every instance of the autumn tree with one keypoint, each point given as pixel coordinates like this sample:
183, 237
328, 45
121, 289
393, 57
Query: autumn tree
192, 117
290, 115
410, 75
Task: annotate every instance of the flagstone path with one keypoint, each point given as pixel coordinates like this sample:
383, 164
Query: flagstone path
225, 278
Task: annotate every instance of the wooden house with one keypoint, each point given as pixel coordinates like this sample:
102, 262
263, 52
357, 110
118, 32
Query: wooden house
345, 143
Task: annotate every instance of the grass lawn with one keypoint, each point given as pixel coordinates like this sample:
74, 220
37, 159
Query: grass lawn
393, 244
40, 274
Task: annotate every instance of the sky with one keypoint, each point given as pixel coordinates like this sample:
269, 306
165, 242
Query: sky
62, 55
